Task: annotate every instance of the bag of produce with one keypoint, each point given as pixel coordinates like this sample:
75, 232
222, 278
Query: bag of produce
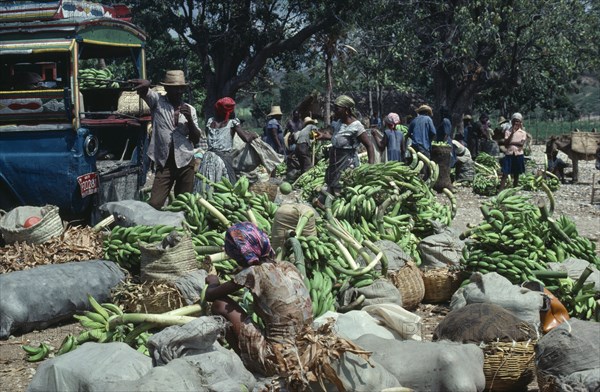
42, 296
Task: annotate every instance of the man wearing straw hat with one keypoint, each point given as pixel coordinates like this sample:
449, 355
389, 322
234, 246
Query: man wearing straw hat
174, 133
303, 140
273, 131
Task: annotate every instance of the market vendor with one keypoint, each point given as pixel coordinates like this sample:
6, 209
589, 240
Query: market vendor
348, 134
280, 299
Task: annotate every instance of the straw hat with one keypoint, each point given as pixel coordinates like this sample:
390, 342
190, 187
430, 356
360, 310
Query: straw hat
309, 120
502, 120
275, 111
467, 117
425, 109
174, 78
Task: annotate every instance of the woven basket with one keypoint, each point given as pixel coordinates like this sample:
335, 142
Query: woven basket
440, 284
131, 104
166, 265
409, 282
51, 225
508, 366
585, 142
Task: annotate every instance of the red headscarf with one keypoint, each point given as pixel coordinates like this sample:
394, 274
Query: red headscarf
224, 107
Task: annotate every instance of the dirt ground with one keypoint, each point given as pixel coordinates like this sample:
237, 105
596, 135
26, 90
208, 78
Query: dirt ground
573, 200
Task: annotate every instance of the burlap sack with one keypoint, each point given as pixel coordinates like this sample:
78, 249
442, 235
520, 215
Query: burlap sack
585, 142
160, 263
286, 218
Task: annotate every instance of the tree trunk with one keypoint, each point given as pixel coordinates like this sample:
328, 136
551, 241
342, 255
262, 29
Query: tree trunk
458, 99
329, 49
442, 155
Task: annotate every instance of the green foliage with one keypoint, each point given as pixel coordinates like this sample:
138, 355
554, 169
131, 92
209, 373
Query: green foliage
232, 42
295, 87
471, 56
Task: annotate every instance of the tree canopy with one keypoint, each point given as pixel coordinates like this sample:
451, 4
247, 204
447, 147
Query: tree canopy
233, 41
466, 55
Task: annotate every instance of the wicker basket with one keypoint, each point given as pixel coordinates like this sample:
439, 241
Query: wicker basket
51, 225
164, 265
508, 366
440, 284
409, 282
131, 104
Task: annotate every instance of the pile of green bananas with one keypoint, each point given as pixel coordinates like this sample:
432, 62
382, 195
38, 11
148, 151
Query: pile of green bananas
36, 354
485, 184
97, 78
96, 324
122, 244
518, 238
328, 264
223, 204
311, 181
396, 190
532, 182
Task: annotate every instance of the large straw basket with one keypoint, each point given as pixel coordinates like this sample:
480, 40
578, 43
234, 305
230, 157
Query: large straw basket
585, 142
131, 104
11, 224
165, 265
440, 284
508, 366
409, 282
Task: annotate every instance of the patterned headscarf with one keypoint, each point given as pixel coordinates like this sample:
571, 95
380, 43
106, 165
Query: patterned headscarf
247, 244
224, 107
345, 101
392, 119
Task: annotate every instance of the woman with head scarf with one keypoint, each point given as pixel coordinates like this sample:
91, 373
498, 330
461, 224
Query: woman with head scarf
393, 138
281, 299
348, 134
514, 160
220, 130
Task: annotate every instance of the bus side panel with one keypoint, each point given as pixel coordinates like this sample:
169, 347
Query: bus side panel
41, 167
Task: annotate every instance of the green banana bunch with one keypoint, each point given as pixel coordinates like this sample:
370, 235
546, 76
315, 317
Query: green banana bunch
311, 181
97, 78
36, 354
532, 182
488, 161
122, 244
581, 301
321, 289
195, 216
68, 344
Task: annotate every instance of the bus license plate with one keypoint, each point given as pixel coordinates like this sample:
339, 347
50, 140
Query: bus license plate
88, 184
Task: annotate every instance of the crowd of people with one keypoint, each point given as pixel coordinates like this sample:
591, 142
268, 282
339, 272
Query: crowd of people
281, 297
176, 135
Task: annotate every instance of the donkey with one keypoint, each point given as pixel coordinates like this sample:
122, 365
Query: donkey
563, 143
